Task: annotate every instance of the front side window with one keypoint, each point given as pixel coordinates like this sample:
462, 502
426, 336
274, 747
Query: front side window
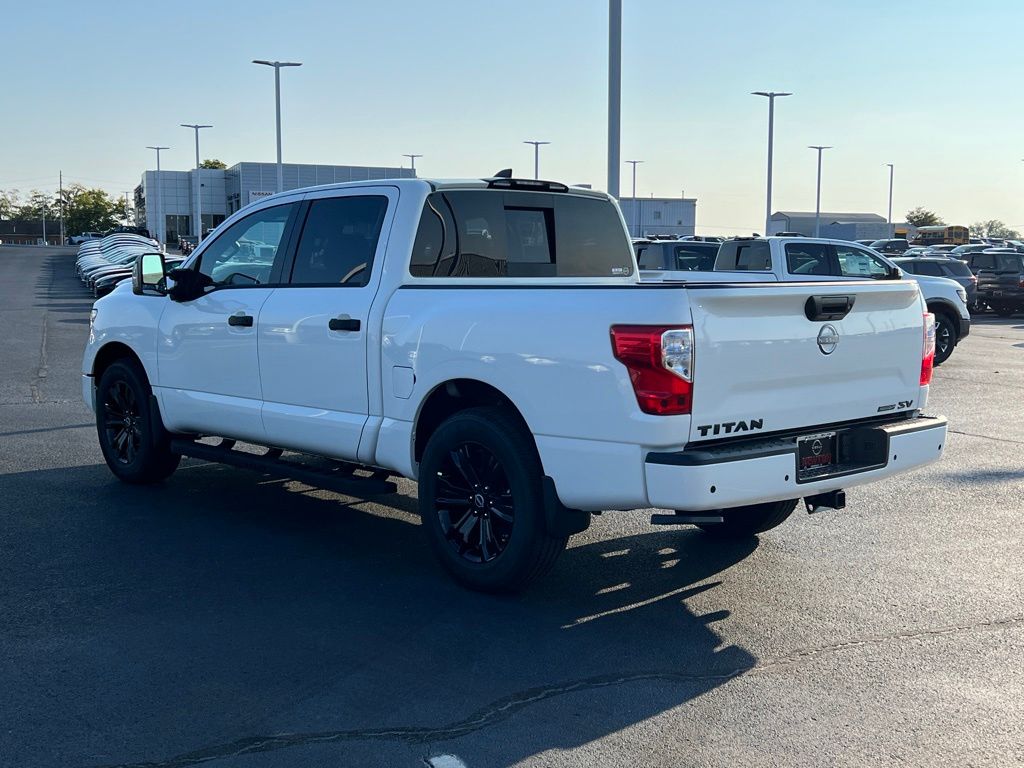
338, 241
244, 253
854, 262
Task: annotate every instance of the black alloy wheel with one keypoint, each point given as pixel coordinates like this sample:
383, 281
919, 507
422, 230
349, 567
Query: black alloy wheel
945, 338
122, 422
135, 445
482, 503
474, 503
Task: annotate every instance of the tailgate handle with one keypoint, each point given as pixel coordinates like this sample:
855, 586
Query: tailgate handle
828, 307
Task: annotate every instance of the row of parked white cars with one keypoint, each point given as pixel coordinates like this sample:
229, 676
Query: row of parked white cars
103, 263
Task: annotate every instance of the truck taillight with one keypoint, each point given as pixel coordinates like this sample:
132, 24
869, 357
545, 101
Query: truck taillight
928, 350
660, 364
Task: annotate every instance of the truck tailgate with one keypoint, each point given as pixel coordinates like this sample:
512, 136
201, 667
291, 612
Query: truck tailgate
761, 365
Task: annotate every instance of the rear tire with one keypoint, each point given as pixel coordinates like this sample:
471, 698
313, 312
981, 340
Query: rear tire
481, 502
125, 427
743, 522
1004, 310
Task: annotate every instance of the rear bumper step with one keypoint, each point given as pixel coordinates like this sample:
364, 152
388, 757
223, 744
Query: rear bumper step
763, 470
335, 476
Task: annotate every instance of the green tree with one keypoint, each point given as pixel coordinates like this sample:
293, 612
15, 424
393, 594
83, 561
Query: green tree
213, 163
993, 228
921, 217
10, 203
90, 210
38, 205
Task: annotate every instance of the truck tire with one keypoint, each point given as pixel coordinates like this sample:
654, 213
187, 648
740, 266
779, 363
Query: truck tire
945, 337
743, 522
125, 427
481, 502
1004, 310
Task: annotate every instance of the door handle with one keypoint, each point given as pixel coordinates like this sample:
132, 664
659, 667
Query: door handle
240, 320
343, 324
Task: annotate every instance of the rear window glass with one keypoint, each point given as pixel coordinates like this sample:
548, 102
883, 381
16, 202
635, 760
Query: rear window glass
693, 257
744, 256
478, 233
957, 269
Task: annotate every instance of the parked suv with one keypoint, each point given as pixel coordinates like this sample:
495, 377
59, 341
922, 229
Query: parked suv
1000, 280
939, 266
891, 247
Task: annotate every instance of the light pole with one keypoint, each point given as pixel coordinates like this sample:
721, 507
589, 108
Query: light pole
197, 230
891, 231
636, 203
614, 93
277, 101
771, 96
536, 156
412, 159
160, 223
817, 199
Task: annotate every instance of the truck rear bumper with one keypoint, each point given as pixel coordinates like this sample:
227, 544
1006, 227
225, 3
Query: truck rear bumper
755, 471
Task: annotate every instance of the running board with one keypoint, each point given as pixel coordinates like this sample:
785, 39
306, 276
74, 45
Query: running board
682, 519
339, 476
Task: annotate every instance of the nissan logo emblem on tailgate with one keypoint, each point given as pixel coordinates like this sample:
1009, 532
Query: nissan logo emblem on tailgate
828, 339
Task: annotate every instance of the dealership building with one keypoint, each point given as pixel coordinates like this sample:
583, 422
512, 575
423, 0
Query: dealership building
225, 191
659, 215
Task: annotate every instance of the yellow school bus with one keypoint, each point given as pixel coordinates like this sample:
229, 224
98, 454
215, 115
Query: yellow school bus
943, 234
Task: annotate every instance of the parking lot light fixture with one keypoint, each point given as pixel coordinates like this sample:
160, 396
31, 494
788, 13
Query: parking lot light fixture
817, 197
536, 156
889, 219
197, 230
771, 96
412, 159
161, 229
636, 204
277, 105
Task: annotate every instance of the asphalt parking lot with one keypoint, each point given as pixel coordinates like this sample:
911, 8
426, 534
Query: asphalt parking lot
225, 619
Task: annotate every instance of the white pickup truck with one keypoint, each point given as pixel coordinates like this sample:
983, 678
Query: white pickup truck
492, 340
804, 259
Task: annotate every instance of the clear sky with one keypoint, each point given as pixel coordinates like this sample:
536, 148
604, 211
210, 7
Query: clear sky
930, 85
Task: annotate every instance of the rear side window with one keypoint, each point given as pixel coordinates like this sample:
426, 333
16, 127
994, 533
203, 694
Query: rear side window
744, 256
956, 269
477, 233
653, 256
928, 268
809, 259
984, 261
339, 240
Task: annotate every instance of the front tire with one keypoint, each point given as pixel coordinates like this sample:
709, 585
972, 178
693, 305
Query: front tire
481, 502
945, 337
125, 427
744, 522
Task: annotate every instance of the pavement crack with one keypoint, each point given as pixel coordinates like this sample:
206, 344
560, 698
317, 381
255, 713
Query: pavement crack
42, 369
987, 437
503, 708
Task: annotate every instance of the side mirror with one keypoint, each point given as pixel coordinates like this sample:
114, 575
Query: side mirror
148, 275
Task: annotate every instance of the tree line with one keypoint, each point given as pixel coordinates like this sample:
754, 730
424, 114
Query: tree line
921, 217
85, 209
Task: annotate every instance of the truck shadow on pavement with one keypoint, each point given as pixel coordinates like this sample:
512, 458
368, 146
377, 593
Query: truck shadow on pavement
224, 614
